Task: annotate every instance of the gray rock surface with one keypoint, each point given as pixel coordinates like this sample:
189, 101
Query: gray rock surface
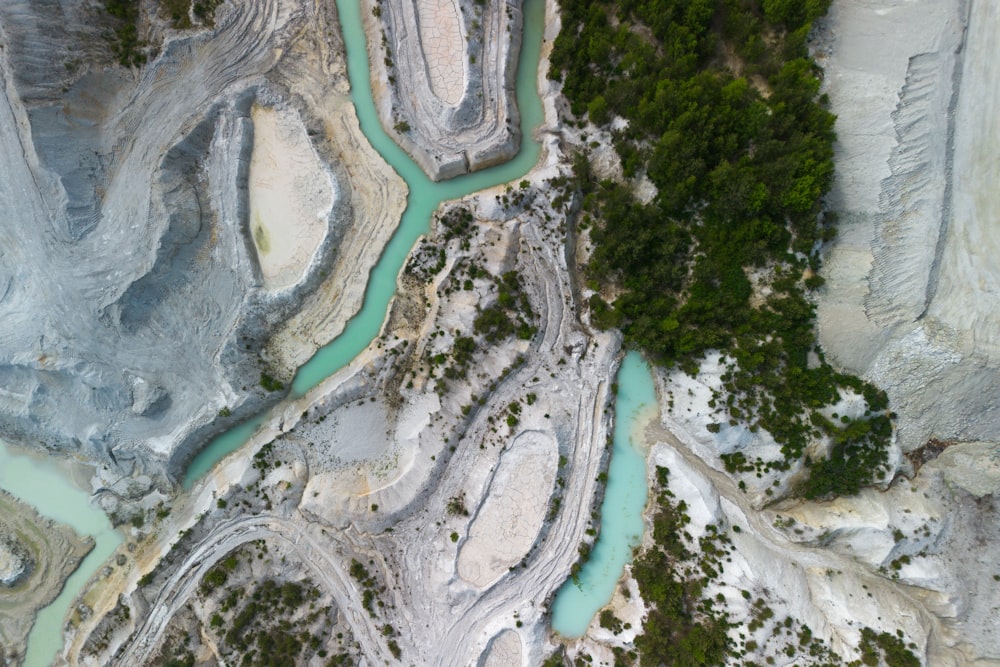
910, 298
131, 303
481, 128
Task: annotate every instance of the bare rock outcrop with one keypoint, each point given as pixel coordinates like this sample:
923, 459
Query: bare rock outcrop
139, 307
443, 77
910, 297
36, 556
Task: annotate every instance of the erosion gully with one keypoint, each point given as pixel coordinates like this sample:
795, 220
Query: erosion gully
47, 487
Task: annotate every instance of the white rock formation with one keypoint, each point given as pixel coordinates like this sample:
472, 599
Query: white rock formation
914, 88
443, 80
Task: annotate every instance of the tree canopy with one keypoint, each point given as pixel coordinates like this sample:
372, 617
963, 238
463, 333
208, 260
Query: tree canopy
724, 116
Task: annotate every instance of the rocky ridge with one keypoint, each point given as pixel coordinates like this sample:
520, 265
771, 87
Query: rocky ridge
448, 102
129, 227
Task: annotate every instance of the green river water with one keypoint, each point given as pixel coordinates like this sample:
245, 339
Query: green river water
45, 487
621, 511
424, 197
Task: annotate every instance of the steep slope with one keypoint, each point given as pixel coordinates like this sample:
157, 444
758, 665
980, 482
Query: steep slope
138, 311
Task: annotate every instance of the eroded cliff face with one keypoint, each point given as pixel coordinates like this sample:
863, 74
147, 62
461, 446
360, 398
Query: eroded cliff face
911, 297
443, 80
910, 301
139, 301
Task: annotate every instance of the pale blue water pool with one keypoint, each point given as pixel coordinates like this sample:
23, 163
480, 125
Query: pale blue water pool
621, 511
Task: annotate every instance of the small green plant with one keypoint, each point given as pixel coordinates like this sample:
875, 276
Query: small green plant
269, 383
397, 652
610, 622
126, 45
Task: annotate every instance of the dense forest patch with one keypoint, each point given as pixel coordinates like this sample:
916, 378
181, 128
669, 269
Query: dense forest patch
725, 118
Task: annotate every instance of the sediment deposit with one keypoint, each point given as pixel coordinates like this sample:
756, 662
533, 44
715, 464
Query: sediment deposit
443, 80
36, 556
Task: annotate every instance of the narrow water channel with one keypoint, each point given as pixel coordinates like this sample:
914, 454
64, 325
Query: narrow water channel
621, 511
45, 487
424, 198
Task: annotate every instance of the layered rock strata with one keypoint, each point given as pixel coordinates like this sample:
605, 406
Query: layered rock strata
141, 301
443, 78
910, 301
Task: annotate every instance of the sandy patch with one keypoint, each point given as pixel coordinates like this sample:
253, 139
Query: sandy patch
377, 197
512, 513
504, 650
874, 74
355, 454
443, 42
291, 197
443, 79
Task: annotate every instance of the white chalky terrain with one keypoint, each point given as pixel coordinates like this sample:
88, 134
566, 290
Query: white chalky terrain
443, 79
178, 228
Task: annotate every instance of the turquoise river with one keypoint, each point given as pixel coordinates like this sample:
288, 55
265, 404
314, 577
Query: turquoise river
45, 487
621, 511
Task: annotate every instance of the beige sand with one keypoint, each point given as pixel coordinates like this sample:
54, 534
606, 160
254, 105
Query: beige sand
512, 512
291, 196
